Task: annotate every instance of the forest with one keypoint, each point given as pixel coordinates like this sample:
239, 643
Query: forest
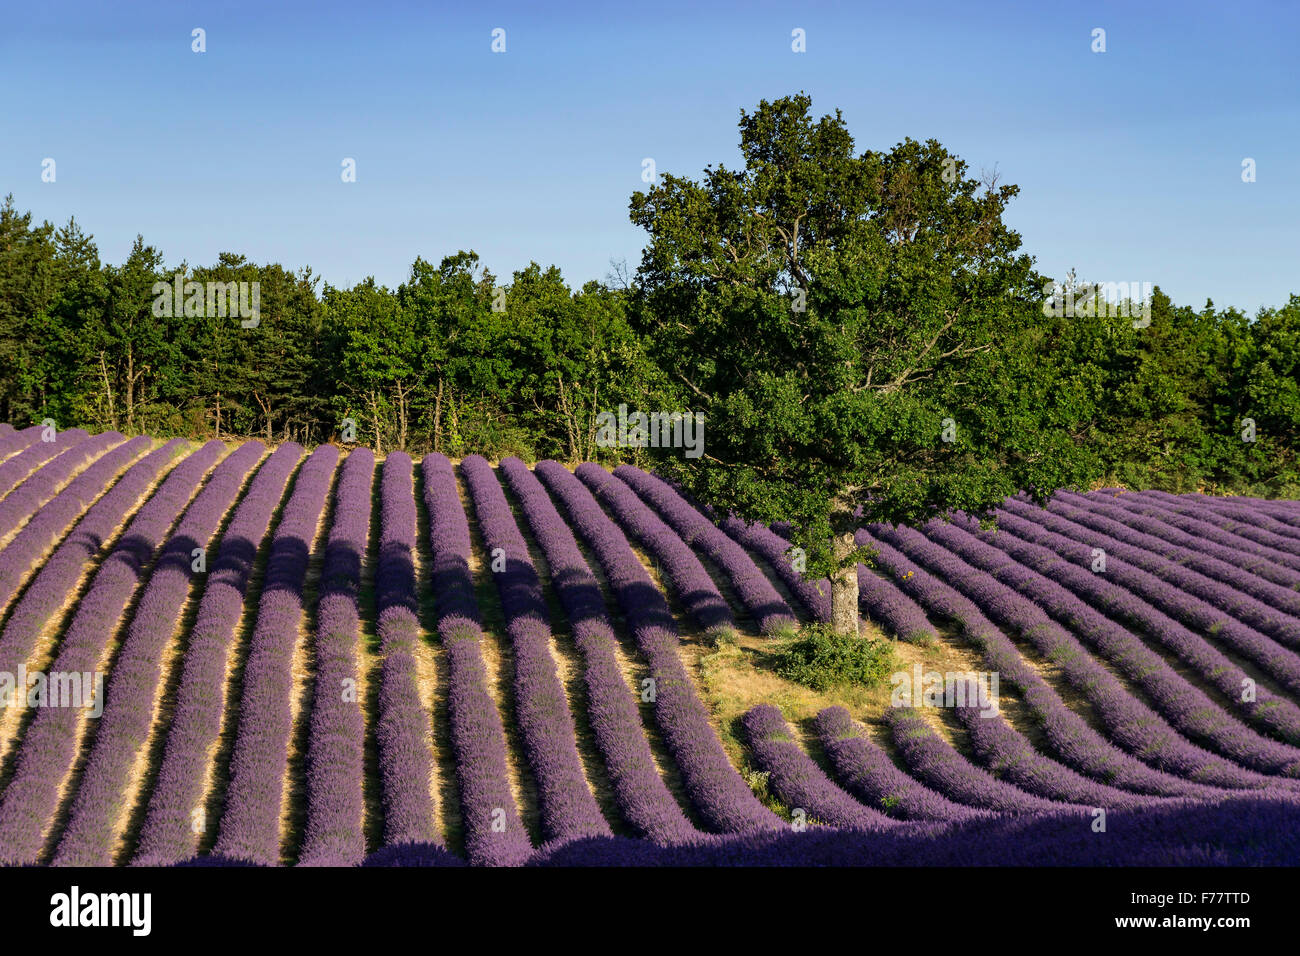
459, 361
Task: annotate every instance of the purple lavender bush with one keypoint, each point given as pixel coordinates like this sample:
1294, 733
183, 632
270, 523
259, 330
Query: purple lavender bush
90, 835
250, 821
29, 497
1141, 600
403, 728
752, 587
494, 834
49, 747
684, 575
14, 441
1131, 723
865, 770
797, 779
722, 799
643, 799
171, 827
47, 525
1074, 742
933, 760
567, 806
22, 465
332, 835
1182, 703
1008, 756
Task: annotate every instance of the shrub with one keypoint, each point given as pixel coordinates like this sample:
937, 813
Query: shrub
821, 659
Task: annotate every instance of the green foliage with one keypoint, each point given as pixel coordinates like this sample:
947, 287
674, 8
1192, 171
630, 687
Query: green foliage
858, 334
821, 659
449, 360
917, 305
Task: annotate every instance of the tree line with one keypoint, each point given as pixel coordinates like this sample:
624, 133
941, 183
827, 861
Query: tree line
455, 360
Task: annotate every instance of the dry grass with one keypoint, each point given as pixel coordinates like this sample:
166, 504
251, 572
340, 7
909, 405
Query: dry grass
426, 667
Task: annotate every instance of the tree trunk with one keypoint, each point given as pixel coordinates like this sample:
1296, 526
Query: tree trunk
108, 392
130, 389
400, 394
844, 588
437, 418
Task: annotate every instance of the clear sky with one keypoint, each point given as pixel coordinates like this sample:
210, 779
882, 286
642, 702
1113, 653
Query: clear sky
1129, 161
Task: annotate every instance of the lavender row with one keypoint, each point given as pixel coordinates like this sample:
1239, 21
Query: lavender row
1185, 705
174, 817
1251, 830
29, 497
752, 587
403, 728
722, 798
892, 609
866, 771
568, 807
1232, 561
1271, 516
684, 573
772, 548
21, 465
1279, 564
59, 574
797, 779
642, 798
1073, 741
250, 821
128, 714
16, 440
1146, 601
47, 751
494, 834
1228, 563
51, 521
933, 761
1235, 592
5, 431
332, 835
1009, 756
1131, 723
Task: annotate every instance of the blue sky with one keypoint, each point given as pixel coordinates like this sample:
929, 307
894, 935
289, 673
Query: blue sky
1129, 161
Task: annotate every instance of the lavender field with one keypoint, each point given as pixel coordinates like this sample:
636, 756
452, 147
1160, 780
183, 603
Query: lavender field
232, 653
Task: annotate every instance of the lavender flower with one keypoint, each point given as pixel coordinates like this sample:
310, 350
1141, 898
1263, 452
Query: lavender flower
47, 750
797, 780
404, 760
494, 834
642, 798
722, 799
250, 822
169, 831
335, 736
131, 701
752, 587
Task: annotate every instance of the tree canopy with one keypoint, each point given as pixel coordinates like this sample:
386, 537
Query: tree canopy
861, 330
863, 334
